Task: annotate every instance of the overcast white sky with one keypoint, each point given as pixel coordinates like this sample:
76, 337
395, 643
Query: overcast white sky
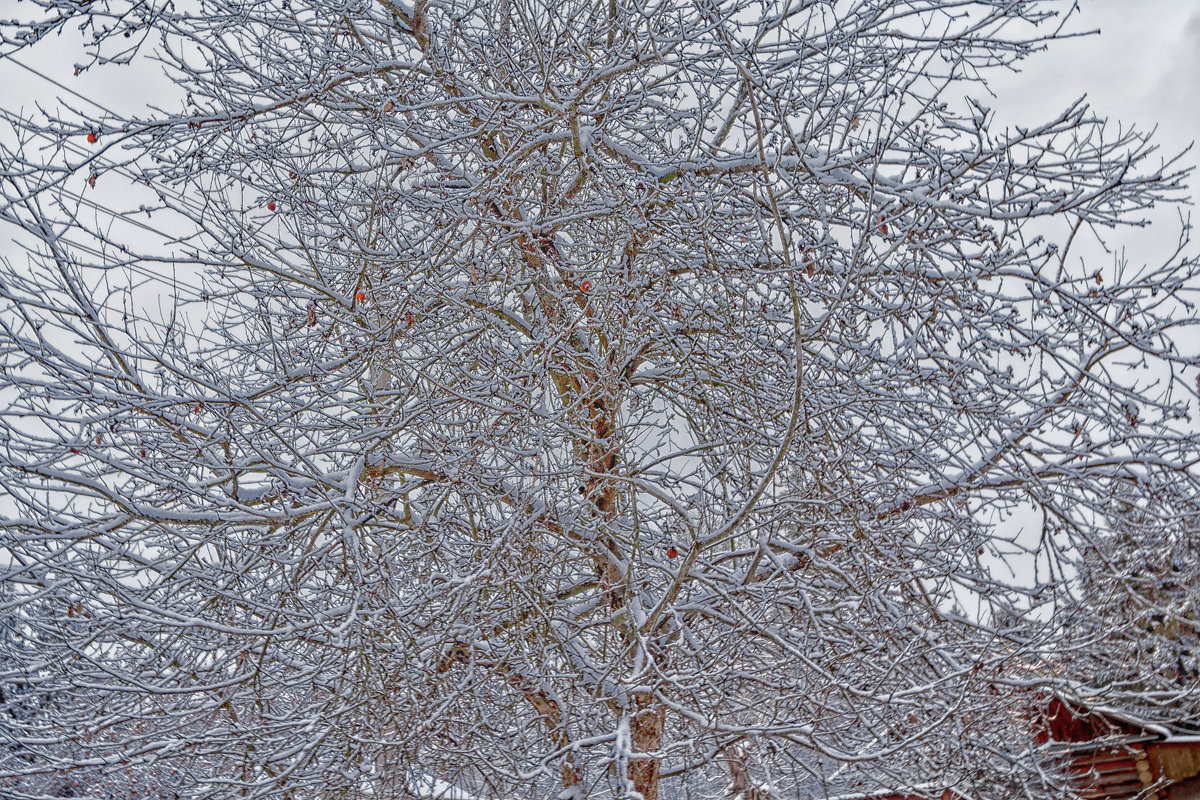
1142, 69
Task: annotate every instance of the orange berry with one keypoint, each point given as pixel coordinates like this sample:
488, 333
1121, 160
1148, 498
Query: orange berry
586, 286
92, 138
361, 297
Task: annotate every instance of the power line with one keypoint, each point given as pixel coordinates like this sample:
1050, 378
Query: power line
183, 201
75, 148
62, 86
179, 202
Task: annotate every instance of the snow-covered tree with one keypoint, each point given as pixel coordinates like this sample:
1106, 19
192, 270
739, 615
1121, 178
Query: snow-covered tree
1136, 621
579, 399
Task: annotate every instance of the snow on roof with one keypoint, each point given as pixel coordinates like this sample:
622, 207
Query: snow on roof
1164, 733
429, 787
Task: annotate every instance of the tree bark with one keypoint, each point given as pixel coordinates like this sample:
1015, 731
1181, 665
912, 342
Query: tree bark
645, 733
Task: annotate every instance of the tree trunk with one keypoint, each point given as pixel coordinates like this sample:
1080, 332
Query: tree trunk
645, 732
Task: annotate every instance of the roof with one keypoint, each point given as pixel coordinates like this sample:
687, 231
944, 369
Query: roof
1109, 754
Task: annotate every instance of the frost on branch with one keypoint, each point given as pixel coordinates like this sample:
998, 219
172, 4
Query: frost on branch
574, 399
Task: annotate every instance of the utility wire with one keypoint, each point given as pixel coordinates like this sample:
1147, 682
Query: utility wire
62, 86
175, 283
82, 152
182, 202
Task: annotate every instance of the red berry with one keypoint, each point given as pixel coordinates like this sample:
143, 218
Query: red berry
672, 552
91, 138
271, 206
361, 297
586, 286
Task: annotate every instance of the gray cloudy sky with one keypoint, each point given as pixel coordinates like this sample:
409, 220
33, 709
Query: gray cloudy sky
1143, 68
